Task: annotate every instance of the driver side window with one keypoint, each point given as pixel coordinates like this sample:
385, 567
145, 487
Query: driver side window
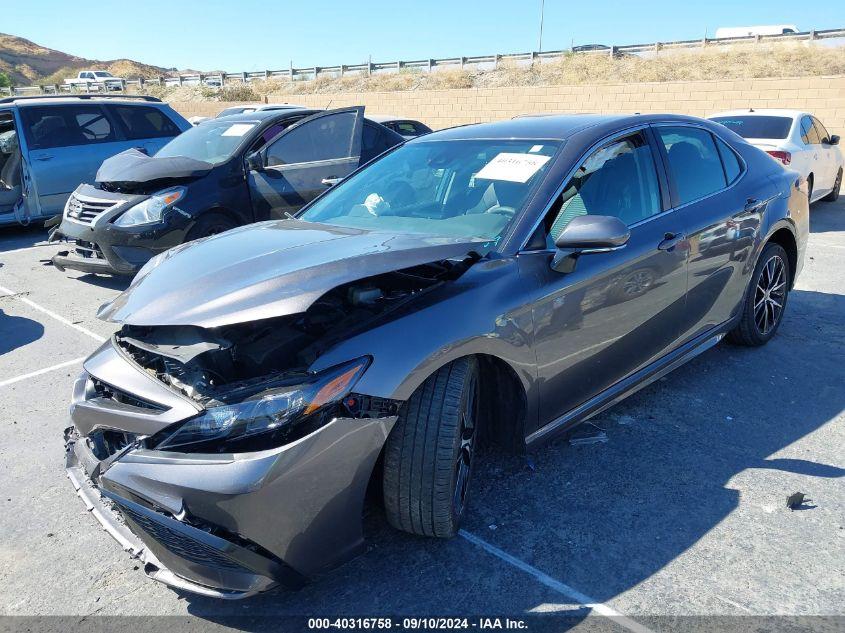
619, 179
323, 138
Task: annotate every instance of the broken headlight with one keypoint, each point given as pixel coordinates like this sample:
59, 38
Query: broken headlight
150, 210
267, 419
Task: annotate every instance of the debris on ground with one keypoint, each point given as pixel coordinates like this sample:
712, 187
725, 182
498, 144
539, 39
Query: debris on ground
796, 500
589, 433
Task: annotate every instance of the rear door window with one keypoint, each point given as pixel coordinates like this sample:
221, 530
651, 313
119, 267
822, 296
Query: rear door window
809, 135
141, 122
375, 140
64, 126
821, 131
694, 162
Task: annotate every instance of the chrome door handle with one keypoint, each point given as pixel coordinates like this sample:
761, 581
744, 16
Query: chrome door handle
331, 182
670, 241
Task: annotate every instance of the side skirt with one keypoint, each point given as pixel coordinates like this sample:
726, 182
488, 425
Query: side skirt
627, 386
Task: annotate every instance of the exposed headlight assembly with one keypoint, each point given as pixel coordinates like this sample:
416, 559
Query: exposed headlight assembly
267, 419
151, 210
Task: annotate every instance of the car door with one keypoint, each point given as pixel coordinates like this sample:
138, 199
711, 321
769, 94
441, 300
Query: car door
827, 153
67, 144
616, 311
813, 156
304, 160
719, 219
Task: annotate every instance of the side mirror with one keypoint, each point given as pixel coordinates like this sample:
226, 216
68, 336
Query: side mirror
587, 234
834, 139
255, 162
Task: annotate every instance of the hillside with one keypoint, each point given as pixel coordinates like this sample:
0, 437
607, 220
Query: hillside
26, 63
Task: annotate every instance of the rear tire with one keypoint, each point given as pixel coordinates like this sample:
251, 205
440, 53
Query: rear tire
765, 299
429, 454
209, 224
833, 196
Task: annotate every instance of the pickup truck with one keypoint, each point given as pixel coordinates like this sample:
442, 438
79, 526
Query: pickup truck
96, 79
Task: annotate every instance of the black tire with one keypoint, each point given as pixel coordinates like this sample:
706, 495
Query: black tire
209, 224
429, 453
833, 196
750, 331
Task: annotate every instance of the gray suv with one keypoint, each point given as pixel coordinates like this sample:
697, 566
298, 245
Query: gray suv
49, 145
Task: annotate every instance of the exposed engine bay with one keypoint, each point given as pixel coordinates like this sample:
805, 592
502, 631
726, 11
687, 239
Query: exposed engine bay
224, 365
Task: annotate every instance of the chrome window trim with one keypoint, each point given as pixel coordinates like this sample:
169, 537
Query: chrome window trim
737, 154
565, 181
622, 134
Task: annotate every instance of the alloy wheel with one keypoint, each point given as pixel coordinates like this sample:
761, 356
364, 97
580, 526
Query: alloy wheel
770, 294
463, 464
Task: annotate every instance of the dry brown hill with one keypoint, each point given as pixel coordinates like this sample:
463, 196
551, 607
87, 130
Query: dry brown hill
28, 63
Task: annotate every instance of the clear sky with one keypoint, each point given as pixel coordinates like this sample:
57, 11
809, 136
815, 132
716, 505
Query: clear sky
235, 35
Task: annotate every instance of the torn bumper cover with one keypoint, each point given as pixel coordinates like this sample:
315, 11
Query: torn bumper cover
221, 525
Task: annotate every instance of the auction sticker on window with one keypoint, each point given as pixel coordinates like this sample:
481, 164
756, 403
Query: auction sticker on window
238, 129
512, 167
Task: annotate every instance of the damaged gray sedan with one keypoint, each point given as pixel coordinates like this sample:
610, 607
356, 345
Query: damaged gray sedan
504, 281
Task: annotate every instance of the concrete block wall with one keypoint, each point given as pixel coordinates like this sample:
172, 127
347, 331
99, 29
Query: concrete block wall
823, 96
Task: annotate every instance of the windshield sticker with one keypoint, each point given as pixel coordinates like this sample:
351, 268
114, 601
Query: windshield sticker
238, 129
512, 167
535, 149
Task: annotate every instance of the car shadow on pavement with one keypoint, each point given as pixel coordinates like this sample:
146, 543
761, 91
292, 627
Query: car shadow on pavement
111, 282
827, 217
15, 237
606, 517
17, 331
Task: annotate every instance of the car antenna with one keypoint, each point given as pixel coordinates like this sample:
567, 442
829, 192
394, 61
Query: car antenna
329, 104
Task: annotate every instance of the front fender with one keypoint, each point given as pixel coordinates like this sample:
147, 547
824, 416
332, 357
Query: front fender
484, 312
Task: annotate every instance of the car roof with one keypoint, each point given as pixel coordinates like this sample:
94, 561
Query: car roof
762, 112
386, 118
263, 115
549, 127
82, 99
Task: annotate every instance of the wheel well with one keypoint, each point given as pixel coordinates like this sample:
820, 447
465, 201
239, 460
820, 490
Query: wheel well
231, 215
786, 240
504, 403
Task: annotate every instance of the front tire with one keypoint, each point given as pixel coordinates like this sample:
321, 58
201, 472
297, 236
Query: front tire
765, 299
208, 224
833, 196
429, 454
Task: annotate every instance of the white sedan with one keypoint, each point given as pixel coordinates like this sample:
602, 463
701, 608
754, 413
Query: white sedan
798, 140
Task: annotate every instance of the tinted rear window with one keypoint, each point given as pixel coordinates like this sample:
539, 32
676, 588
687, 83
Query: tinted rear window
757, 126
64, 126
145, 122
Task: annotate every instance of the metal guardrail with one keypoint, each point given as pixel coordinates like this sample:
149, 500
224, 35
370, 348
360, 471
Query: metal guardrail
299, 74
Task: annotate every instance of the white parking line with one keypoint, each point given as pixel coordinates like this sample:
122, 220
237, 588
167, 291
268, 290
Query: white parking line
573, 594
11, 381
52, 314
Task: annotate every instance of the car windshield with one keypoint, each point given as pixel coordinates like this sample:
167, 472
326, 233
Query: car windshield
757, 126
470, 189
234, 110
213, 142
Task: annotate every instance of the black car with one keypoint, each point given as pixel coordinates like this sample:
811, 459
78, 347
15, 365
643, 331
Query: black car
222, 174
505, 280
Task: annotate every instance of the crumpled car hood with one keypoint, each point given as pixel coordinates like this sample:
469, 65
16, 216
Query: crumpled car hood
267, 270
133, 166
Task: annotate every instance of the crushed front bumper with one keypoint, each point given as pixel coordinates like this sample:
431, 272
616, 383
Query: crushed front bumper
209, 557
233, 528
